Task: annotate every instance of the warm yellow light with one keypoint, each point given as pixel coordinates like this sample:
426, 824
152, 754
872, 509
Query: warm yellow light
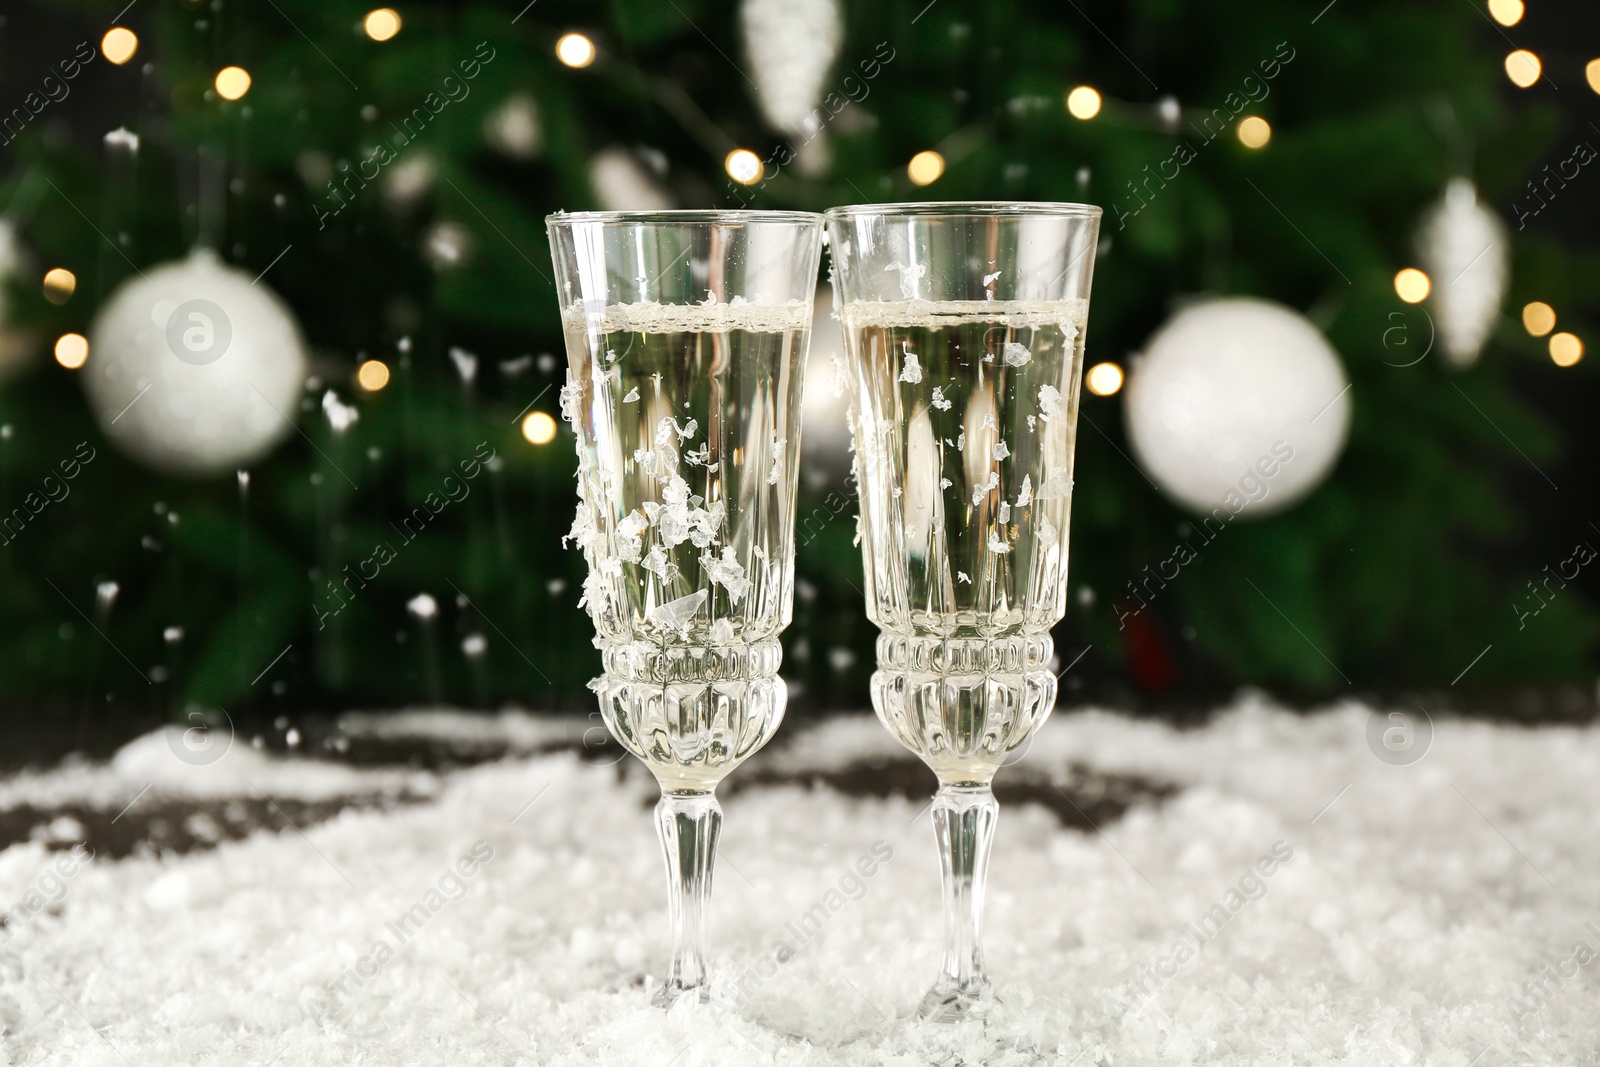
382, 23
1254, 132
1539, 318
119, 44
1083, 103
1592, 72
925, 167
1565, 349
72, 349
1506, 12
539, 428
744, 166
373, 375
232, 82
575, 50
1104, 379
1523, 68
59, 285
1412, 286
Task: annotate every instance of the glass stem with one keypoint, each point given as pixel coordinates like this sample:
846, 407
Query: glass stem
689, 824
963, 818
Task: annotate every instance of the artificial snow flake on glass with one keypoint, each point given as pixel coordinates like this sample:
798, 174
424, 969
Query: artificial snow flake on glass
776, 473
938, 401
1047, 534
727, 572
633, 395
909, 276
572, 401
1049, 401
630, 534
910, 372
961, 576
945, 483
657, 563
1001, 450
1017, 355
989, 279
996, 545
722, 632
1002, 513
982, 489
678, 613
1056, 487
1025, 494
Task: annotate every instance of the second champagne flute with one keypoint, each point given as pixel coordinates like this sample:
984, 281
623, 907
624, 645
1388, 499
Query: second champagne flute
686, 344
963, 326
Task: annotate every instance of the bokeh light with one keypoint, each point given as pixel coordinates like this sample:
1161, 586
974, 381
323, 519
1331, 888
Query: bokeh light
925, 167
744, 166
1254, 132
72, 350
382, 23
1591, 71
232, 82
1565, 349
1104, 379
1083, 103
1523, 68
1506, 12
119, 44
539, 428
59, 285
1412, 286
1538, 318
373, 375
575, 50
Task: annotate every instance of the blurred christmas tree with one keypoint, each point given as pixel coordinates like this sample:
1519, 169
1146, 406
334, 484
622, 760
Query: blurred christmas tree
387, 174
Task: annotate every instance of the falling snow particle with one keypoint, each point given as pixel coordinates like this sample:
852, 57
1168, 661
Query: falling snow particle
938, 401
1017, 355
961, 576
945, 483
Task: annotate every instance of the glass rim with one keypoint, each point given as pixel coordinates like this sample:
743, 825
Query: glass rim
682, 217
970, 208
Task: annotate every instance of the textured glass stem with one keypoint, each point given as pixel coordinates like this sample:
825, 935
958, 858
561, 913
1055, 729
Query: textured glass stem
963, 820
688, 824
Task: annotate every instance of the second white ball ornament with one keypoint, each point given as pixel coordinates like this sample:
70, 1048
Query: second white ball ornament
1239, 404
193, 369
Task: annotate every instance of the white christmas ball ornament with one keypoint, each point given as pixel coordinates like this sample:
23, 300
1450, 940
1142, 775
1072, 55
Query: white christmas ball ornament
193, 369
1238, 404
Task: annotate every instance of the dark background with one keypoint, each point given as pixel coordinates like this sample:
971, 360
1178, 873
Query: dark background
1402, 566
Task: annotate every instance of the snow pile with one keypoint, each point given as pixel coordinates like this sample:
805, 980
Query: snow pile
1334, 908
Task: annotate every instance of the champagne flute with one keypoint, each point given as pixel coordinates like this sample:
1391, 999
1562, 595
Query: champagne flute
963, 328
686, 336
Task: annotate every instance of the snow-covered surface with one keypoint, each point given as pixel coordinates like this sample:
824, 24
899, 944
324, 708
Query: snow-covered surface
1400, 930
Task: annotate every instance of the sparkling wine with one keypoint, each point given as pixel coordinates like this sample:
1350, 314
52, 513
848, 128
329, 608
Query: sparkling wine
687, 462
964, 430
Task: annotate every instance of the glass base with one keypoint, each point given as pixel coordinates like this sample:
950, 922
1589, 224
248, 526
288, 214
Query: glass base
692, 713
965, 706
